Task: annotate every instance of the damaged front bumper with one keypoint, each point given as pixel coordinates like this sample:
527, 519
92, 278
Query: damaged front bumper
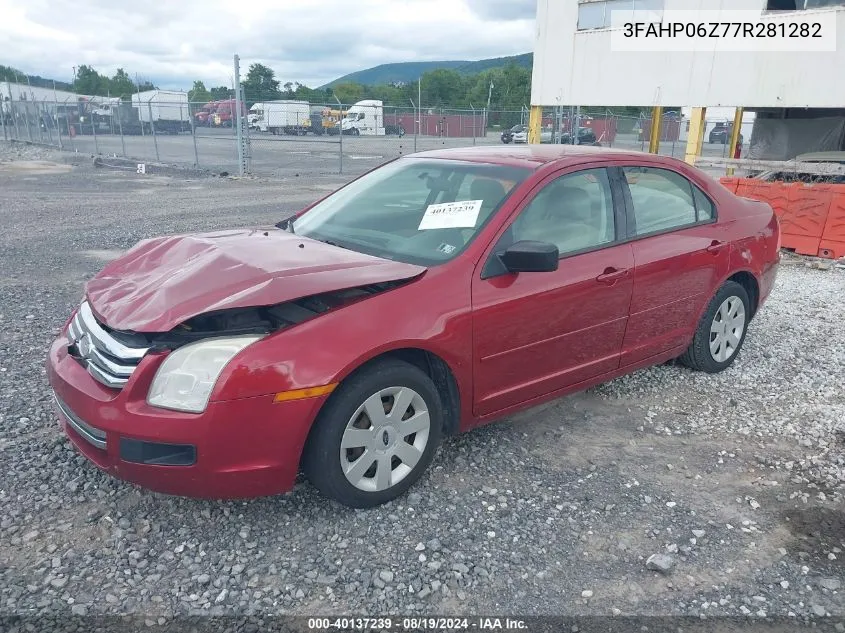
240, 448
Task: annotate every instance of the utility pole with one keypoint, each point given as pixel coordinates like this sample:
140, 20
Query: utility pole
487, 111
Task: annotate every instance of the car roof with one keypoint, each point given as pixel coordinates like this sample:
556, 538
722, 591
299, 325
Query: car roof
821, 157
530, 156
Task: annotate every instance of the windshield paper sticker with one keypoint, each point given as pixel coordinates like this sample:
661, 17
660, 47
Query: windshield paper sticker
451, 215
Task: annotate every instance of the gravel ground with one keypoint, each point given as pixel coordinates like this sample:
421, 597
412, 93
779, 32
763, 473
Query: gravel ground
662, 493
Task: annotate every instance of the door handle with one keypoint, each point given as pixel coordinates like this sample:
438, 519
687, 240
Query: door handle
716, 246
611, 275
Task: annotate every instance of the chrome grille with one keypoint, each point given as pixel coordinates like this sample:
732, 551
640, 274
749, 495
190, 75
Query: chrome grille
107, 359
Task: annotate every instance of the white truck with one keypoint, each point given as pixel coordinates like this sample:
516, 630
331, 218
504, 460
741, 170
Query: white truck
282, 117
253, 115
367, 117
163, 110
364, 118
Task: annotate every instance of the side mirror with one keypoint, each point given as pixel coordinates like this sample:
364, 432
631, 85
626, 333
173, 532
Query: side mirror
531, 257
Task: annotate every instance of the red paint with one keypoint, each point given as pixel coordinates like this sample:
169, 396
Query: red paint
511, 341
162, 282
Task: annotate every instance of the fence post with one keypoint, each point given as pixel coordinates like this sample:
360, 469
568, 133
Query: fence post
15, 120
120, 126
152, 127
416, 123
239, 131
3, 117
55, 118
340, 131
44, 121
94, 132
26, 119
194, 135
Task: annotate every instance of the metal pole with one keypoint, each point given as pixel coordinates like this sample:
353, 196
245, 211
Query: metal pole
340, 131
474, 123
120, 126
67, 124
416, 122
94, 132
138, 92
577, 129
152, 127
3, 117
239, 131
26, 118
194, 135
35, 103
55, 116
15, 119
44, 118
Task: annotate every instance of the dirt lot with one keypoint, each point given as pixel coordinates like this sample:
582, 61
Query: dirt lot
737, 478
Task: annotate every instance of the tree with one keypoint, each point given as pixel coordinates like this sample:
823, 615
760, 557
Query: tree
199, 94
349, 92
220, 93
260, 84
145, 84
443, 87
90, 82
121, 85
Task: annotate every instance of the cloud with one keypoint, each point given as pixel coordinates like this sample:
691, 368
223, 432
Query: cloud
310, 41
504, 9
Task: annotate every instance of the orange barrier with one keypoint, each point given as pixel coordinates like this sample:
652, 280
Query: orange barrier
812, 216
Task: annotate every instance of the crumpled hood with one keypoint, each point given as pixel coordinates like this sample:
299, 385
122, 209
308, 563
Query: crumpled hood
162, 282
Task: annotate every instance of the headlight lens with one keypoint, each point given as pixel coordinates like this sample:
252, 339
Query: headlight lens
187, 376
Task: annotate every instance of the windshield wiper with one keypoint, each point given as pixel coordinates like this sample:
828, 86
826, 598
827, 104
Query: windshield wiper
331, 243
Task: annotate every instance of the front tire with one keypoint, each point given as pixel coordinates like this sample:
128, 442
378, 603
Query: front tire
375, 436
721, 332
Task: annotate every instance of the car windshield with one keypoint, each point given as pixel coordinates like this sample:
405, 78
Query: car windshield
414, 210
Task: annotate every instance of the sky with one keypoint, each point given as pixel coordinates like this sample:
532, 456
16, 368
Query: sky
174, 42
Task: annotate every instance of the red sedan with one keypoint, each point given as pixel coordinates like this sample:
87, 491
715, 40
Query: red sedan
432, 295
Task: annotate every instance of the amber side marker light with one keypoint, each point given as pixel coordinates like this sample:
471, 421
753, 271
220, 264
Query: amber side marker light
301, 394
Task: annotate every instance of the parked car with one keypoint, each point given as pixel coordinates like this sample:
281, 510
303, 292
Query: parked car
586, 136
507, 135
721, 133
797, 176
519, 134
434, 294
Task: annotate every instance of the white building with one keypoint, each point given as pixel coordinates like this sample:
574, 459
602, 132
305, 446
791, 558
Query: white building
10, 91
575, 64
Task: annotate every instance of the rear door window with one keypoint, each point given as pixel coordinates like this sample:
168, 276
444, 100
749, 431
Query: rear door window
662, 199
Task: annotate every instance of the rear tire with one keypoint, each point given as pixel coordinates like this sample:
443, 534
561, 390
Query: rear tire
720, 334
362, 461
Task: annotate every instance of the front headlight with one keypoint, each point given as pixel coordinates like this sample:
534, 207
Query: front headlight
187, 376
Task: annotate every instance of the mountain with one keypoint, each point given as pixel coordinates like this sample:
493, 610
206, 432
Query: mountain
525, 60
407, 72
7, 73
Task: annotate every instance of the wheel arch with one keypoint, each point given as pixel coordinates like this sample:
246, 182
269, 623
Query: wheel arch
430, 363
747, 280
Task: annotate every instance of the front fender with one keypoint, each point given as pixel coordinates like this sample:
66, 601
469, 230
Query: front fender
432, 313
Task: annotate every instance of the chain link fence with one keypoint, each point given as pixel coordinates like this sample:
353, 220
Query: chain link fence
287, 137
